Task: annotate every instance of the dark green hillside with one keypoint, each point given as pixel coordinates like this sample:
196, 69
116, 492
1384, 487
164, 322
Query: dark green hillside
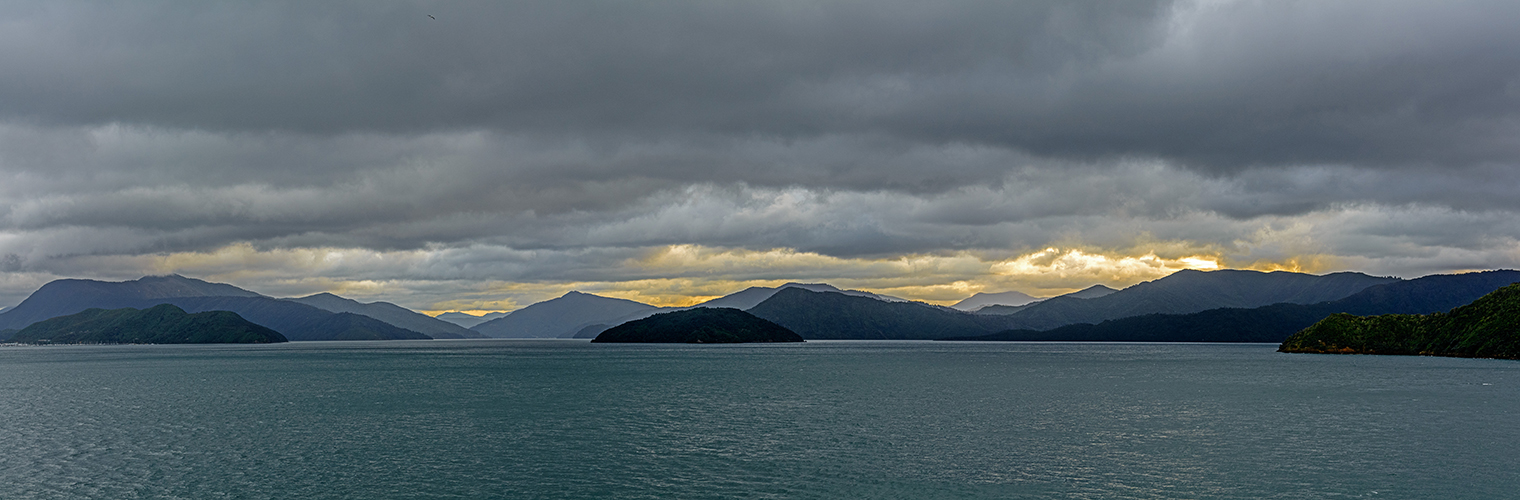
702, 325
5, 335
162, 324
1487, 328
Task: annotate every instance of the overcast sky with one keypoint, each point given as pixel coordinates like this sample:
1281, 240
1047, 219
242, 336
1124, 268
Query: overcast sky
500, 153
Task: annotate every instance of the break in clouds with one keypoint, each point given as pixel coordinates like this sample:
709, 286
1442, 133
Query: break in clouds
504, 153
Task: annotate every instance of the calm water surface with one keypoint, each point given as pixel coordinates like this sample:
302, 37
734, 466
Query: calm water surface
565, 419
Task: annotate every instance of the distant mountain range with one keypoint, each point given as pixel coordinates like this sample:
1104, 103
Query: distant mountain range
562, 317
468, 320
69, 296
1091, 292
1274, 323
981, 300
1227, 305
753, 296
820, 311
584, 316
832, 315
391, 313
1190, 291
295, 320
290, 317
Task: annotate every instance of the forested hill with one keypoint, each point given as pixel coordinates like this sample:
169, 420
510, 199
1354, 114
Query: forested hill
1487, 328
702, 325
161, 324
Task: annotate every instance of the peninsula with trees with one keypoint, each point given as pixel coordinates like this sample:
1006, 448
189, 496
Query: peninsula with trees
1487, 328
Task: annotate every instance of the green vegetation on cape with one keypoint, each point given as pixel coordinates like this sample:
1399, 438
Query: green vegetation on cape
1487, 328
161, 324
703, 325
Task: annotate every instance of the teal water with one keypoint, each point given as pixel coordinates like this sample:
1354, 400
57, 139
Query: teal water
564, 419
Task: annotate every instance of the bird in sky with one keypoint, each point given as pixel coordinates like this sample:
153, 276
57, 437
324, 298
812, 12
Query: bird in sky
430, 16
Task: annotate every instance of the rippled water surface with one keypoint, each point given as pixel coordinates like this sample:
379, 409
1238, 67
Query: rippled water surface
565, 419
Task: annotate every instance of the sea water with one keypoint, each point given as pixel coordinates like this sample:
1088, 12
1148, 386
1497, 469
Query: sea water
570, 419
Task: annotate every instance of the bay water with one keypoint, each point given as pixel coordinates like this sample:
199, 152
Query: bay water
570, 419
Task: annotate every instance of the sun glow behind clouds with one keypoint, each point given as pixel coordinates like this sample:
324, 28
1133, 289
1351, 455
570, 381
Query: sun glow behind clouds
1076, 266
486, 278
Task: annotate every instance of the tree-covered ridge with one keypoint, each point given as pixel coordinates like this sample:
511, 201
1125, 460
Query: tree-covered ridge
161, 324
1487, 328
703, 325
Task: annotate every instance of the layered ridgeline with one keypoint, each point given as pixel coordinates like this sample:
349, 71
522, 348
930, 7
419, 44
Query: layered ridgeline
818, 311
701, 325
393, 314
980, 300
1487, 328
830, 315
1091, 292
750, 297
1190, 291
161, 324
294, 320
583, 315
468, 320
563, 317
1274, 323
69, 296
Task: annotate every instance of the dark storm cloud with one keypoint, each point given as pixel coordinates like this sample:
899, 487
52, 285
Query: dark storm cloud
1213, 85
546, 141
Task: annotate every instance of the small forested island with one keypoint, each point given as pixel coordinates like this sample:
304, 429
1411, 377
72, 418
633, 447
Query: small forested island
161, 324
703, 325
1487, 328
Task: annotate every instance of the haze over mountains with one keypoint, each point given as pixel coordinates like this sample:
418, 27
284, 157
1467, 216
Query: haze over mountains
582, 315
468, 320
562, 317
1273, 323
825, 312
1091, 292
753, 296
293, 319
390, 313
1227, 305
981, 300
1190, 291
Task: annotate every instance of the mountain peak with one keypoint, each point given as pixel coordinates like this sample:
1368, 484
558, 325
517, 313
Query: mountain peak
813, 287
1091, 292
980, 300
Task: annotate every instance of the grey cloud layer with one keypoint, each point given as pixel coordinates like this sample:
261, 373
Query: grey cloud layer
1212, 85
548, 141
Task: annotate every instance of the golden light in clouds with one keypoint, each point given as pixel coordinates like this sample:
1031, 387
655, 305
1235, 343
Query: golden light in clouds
1073, 265
681, 275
